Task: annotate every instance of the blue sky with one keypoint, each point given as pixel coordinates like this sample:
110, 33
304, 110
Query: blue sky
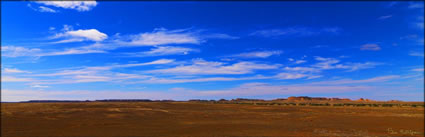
212, 50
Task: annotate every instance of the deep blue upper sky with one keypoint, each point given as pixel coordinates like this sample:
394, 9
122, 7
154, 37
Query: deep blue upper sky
212, 50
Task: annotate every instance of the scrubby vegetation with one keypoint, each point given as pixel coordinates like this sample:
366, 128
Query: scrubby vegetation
291, 101
322, 102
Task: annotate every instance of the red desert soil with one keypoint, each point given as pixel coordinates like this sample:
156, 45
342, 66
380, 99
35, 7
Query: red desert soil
101, 119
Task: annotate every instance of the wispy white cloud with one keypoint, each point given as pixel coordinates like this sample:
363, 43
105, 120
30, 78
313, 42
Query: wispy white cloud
71, 52
14, 70
194, 68
332, 63
320, 46
190, 80
350, 81
69, 40
325, 63
314, 71
15, 51
94, 74
302, 69
257, 54
70, 35
371, 47
219, 36
202, 67
19, 51
296, 31
42, 9
98, 69
39, 86
156, 62
14, 79
164, 50
291, 75
198, 67
90, 78
385, 17
300, 61
158, 37
418, 69
75, 5
314, 76
416, 5
418, 54
417, 22
300, 72
46, 9
291, 59
357, 66
163, 36
410, 37
67, 28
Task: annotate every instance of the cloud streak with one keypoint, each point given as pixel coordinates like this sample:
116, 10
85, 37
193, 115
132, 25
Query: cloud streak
75, 5
164, 50
350, 81
385, 17
417, 54
371, 47
257, 54
14, 79
80, 35
202, 67
161, 36
15, 51
14, 70
296, 31
332, 63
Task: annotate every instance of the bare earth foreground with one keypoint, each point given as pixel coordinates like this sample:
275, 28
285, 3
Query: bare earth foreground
204, 119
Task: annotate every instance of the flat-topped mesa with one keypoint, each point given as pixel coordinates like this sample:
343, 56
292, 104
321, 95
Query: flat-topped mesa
280, 99
365, 100
300, 98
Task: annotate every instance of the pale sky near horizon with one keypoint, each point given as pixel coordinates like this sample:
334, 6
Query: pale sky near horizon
211, 50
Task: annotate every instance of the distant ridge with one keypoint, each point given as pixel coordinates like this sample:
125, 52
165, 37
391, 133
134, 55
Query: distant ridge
57, 101
292, 98
103, 100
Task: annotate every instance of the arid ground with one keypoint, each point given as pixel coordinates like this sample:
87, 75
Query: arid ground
99, 119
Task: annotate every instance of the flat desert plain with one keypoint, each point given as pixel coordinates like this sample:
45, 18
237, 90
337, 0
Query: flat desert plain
193, 119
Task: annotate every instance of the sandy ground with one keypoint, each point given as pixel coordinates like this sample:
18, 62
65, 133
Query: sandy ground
101, 119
